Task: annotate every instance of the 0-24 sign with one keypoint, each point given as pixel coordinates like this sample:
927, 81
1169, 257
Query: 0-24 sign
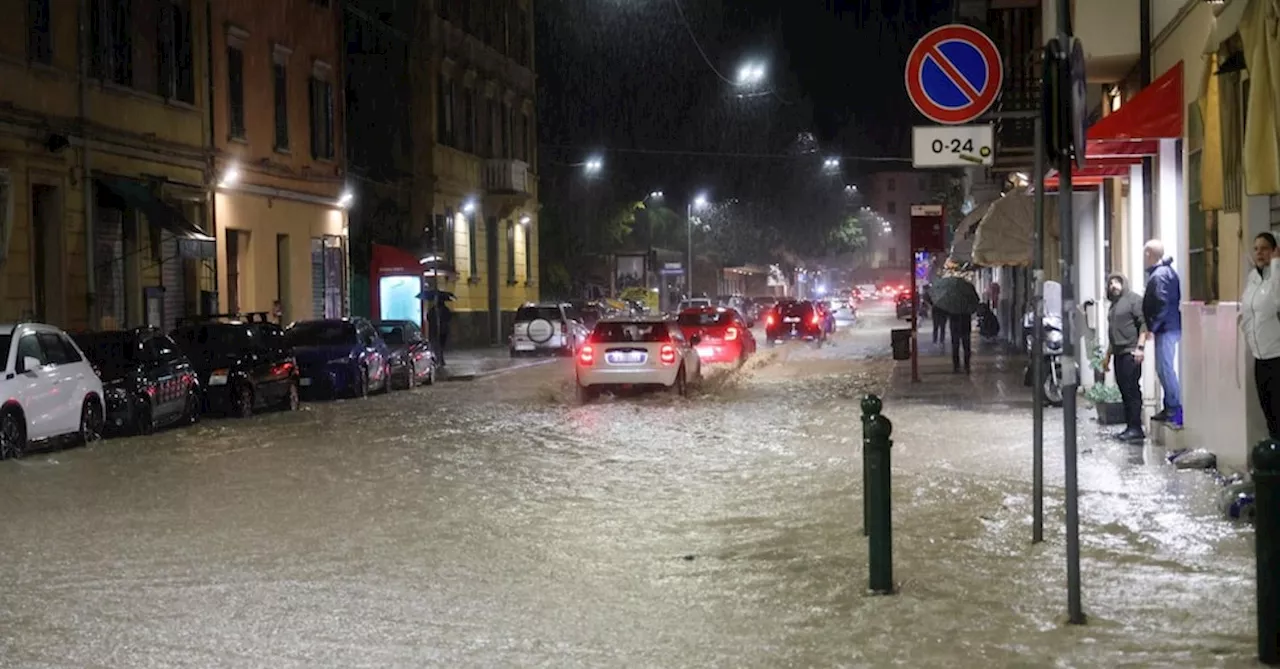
952, 146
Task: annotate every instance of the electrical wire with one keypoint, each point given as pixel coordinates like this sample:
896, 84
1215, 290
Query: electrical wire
721, 154
706, 59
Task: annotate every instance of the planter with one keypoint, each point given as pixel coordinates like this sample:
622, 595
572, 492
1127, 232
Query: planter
1110, 413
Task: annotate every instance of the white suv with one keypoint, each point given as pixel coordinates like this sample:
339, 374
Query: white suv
547, 327
52, 391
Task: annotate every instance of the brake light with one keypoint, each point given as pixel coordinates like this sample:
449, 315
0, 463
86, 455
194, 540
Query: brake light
817, 318
668, 354
586, 356
768, 319
730, 334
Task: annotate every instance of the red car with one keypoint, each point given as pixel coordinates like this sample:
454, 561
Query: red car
724, 334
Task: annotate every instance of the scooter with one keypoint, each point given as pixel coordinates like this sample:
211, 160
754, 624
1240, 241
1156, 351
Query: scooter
1051, 325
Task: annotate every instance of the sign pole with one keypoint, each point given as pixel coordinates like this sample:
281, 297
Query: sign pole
1037, 347
915, 319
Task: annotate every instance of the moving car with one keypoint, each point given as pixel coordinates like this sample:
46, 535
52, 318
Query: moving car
694, 303
792, 320
906, 305
340, 357
644, 351
412, 360
51, 392
723, 334
241, 362
547, 327
148, 382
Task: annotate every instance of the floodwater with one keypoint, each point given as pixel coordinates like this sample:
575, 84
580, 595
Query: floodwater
497, 524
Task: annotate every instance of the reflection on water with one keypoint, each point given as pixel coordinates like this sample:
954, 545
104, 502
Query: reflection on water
496, 523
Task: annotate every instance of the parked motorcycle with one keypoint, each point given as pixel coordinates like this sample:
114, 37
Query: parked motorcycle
1051, 325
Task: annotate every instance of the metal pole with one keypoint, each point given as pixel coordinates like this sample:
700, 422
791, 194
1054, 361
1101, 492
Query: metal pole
915, 321
1266, 479
688, 280
1037, 348
876, 443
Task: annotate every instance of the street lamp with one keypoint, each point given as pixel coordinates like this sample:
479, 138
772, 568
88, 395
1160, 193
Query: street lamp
345, 200
751, 73
698, 203
655, 195
831, 163
593, 165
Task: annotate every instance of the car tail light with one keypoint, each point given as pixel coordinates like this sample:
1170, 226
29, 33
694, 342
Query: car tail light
817, 318
668, 354
730, 334
586, 356
768, 319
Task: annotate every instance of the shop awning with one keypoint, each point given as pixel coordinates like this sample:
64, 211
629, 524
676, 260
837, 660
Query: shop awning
1125, 136
1004, 237
962, 239
389, 260
158, 212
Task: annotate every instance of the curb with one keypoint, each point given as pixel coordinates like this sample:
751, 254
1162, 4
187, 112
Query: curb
472, 376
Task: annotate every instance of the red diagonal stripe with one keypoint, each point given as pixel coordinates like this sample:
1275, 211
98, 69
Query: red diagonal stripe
953, 74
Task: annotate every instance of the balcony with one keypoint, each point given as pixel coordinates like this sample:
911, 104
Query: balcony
507, 184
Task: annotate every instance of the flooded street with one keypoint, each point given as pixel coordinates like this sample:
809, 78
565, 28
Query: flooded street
497, 523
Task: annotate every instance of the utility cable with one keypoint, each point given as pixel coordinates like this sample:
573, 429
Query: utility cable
705, 58
723, 154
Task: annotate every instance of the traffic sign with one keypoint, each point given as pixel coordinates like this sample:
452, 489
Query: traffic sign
952, 145
954, 74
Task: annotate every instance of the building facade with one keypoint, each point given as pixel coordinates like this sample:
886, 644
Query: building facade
484, 213
103, 129
890, 195
279, 213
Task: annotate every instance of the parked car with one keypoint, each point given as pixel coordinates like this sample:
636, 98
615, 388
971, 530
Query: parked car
148, 382
906, 305
549, 327
644, 351
792, 320
241, 361
723, 334
340, 357
412, 360
52, 394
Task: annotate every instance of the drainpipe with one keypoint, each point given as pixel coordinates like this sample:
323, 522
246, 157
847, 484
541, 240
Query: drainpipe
86, 173
213, 151
1144, 78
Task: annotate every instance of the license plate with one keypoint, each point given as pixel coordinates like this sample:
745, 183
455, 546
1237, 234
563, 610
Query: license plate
218, 380
524, 347
304, 382
706, 351
626, 357
791, 320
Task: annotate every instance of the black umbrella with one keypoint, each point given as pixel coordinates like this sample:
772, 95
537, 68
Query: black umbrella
954, 295
433, 295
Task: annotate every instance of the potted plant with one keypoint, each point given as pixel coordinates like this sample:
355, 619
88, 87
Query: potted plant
1105, 397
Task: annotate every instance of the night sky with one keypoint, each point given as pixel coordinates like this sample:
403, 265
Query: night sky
626, 75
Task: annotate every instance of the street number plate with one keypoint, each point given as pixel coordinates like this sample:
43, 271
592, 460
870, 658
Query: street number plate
952, 145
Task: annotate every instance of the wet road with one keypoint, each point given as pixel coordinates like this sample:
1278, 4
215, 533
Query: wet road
496, 523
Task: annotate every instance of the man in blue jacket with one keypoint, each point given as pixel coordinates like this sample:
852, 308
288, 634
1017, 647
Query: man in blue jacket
1160, 308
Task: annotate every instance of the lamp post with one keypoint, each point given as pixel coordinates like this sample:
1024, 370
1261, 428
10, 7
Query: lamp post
697, 203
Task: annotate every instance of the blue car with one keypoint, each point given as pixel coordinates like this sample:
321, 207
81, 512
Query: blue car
340, 357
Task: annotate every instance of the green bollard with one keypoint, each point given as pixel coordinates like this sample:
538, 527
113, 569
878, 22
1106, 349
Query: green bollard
1266, 504
876, 430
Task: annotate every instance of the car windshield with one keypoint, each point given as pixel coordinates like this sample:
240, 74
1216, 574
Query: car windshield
113, 353
392, 333
215, 337
704, 318
321, 333
529, 314
614, 332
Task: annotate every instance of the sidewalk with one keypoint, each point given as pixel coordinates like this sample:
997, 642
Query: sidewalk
475, 363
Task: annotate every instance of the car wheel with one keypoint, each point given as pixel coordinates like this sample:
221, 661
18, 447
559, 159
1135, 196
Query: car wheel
431, 375
411, 379
144, 421
191, 413
514, 353
91, 421
585, 394
362, 384
681, 386
13, 434
292, 399
243, 404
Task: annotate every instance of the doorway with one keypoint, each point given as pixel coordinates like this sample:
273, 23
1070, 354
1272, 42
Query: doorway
234, 251
46, 255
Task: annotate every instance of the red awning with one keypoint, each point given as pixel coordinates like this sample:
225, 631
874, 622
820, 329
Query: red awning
391, 260
1122, 138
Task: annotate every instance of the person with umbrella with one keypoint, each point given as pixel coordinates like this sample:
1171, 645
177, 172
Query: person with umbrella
439, 317
959, 299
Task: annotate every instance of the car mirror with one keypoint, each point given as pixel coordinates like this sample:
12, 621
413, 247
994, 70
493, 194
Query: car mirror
29, 364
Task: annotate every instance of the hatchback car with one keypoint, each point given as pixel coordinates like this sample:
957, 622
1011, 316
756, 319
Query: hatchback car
790, 321
723, 334
650, 352
52, 392
412, 360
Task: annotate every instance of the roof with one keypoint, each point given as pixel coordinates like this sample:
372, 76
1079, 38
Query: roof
8, 328
636, 319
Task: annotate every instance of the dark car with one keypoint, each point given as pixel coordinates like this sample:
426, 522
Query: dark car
792, 320
242, 363
412, 360
906, 305
148, 381
340, 357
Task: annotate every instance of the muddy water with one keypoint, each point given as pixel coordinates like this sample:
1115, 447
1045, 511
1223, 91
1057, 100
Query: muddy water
497, 523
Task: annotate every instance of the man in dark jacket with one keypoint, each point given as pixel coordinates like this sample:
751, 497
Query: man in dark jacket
1160, 308
1127, 333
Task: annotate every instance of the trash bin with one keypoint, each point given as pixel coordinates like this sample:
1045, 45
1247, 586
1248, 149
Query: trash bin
901, 344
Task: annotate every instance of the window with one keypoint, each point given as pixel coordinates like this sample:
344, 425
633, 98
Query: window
893, 255
175, 70
528, 254
511, 252
39, 33
893, 184
28, 347
469, 143
57, 350
235, 91
450, 239
522, 137
507, 146
495, 135
321, 103
233, 271
892, 206
473, 259
280, 87
111, 32
444, 111
1202, 226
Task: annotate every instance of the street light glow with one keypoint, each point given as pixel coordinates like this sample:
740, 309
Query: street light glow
526, 220
594, 165
831, 163
751, 73
230, 178
655, 195
345, 200
700, 201
469, 207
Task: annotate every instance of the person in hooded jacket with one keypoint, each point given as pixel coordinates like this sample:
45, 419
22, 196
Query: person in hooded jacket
1260, 325
1161, 306
1127, 333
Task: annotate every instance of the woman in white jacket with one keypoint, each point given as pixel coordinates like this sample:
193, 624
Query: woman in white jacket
1260, 325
